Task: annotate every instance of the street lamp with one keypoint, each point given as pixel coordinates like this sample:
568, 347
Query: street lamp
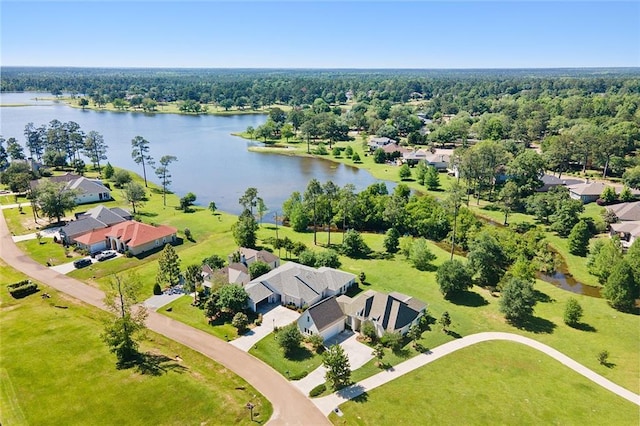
250, 407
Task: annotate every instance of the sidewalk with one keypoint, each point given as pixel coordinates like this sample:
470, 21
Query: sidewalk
329, 403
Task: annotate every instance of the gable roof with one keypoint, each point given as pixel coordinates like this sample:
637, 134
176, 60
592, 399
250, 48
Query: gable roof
262, 255
632, 227
392, 311
107, 216
303, 282
626, 211
258, 291
325, 313
591, 188
78, 227
84, 185
381, 141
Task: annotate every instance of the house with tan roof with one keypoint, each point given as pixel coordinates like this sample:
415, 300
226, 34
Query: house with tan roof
586, 192
626, 211
247, 256
134, 237
298, 285
627, 231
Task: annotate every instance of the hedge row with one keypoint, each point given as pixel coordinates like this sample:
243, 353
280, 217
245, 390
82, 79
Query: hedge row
22, 289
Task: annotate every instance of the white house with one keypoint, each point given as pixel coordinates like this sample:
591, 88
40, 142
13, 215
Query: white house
298, 285
88, 190
324, 318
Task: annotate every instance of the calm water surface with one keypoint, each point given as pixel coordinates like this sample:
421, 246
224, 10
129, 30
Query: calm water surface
211, 163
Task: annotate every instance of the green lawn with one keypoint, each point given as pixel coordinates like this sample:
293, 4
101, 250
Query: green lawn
478, 311
302, 362
490, 383
56, 370
47, 251
182, 310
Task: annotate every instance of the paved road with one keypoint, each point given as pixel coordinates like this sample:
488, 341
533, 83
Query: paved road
330, 402
290, 406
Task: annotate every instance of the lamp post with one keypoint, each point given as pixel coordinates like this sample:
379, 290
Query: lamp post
250, 407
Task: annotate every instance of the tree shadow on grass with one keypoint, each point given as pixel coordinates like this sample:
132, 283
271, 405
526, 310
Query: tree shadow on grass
537, 325
146, 214
299, 354
542, 297
156, 365
453, 334
584, 327
469, 298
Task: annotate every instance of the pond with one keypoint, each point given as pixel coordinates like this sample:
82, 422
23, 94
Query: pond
212, 163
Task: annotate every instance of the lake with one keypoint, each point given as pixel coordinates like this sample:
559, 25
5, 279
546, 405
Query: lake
212, 163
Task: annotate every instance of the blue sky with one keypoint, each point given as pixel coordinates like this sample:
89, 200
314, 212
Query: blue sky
324, 34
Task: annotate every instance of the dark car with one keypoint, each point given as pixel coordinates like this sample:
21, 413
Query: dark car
107, 254
81, 263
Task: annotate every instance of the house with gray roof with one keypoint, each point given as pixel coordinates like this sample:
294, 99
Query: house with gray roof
325, 318
626, 211
375, 143
89, 190
586, 192
393, 312
95, 218
298, 285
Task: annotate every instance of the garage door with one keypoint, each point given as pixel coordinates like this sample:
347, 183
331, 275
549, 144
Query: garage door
328, 333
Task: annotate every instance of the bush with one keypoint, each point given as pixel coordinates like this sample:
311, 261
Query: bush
157, 290
317, 391
317, 342
289, 339
572, 312
258, 321
391, 340
22, 289
368, 330
240, 321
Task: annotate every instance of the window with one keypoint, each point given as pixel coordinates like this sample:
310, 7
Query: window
308, 318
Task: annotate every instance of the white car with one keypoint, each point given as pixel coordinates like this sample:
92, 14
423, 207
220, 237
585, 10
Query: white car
107, 254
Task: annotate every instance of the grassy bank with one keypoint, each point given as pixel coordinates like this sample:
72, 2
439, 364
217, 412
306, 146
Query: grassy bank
494, 387
55, 369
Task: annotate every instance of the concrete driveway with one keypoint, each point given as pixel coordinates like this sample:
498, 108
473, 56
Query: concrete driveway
65, 268
359, 354
277, 315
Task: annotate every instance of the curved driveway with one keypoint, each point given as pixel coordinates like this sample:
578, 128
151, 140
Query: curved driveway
290, 406
330, 402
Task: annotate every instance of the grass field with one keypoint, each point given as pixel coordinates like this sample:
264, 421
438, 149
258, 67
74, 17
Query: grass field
182, 310
490, 383
301, 363
56, 370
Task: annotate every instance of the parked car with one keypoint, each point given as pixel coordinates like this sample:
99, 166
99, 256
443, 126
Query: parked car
81, 263
107, 254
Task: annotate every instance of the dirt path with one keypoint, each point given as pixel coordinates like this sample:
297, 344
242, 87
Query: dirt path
290, 406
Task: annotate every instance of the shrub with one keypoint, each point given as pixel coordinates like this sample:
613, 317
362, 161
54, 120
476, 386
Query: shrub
368, 330
572, 312
157, 290
240, 321
258, 321
603, 357
391, 340
22, 289
317, 342
318, 390
289, 339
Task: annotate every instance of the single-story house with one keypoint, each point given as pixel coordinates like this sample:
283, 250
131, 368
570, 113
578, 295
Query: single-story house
88, 190
248, 256
552, 181
627, 231
394, 148
135, 237
438, 160
95, 218
325, 318
375, 143
393, 312
626, 211
300, 285
587, 192
413, 157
